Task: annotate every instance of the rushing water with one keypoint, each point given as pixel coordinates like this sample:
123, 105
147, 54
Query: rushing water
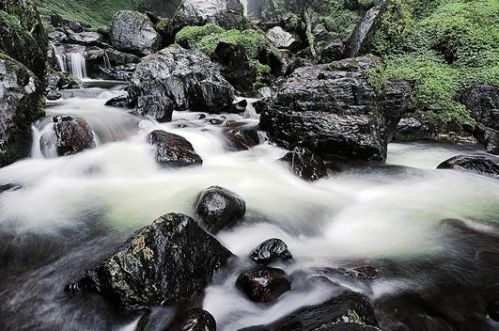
71, 212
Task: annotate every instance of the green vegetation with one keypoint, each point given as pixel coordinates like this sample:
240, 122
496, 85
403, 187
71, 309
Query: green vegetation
441, 52
252, 41
260, 69
94, 12
191, 35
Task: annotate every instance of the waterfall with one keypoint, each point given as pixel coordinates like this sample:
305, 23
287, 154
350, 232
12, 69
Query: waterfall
72, 60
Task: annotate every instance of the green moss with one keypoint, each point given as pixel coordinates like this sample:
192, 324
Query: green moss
253, 42
192, 35
260, 69
94, 12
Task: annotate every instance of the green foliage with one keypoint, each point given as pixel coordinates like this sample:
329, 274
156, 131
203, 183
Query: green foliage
94, 12
253, 41
192, 35
260, 69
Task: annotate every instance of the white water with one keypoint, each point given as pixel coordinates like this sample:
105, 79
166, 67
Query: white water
73, 61
354, 215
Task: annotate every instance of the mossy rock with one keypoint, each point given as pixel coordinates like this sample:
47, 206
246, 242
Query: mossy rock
22, 35
21, 103
253, 41
190, 36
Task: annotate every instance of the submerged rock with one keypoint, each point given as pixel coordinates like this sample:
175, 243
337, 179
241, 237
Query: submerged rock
349, 311
198, 320
72, 135
263, 284
333, 110
179, 79
121, 101
219, 208
305, 164
21, 93
270, 251
483, 102
173, 150
134, 32
242, 136
478, 164
170, 261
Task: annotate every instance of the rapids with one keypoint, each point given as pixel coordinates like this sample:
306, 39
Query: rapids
71, 212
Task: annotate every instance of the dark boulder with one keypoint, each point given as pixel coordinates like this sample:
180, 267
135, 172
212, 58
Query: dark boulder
333, 51
179, 79
21, 94
263, 284
478, 164
333, 110
242, 137
122, 72
349, 311
483, 102
72, 135
58, 37
236, 66
359, 39
121, 101
198, 320
172, 150
22, 35
117, 58
219, 208
225, 13
413, 128
170, 261
163, 8
134, 32
305, 164
270, 251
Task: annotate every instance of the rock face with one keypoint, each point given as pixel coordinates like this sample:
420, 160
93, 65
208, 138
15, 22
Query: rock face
269, 251
349, 311
305, 164
134, 32
226, 13
477, 164
179, 79
170, 261
219, 208
483, 102
20, 95
333, 110
173, 150
360, 37
22, 35
72, 135
263, 284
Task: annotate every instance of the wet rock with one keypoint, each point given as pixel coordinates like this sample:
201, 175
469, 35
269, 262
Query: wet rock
72, 135
117, 58
21, 93
412, 128
242, 137
179, 79
478, 164
9, 187
332, 51
493, 309
334, 111
282, 39
173, 150
270, 251
123, 72
305, 164
263, 284
56, 80
85, 38
219, 208
121, 101
225, 13
361, 273
23, 36
236, 66
359, 39
134, 32
483, 102
170, 261
57, 37
53, 95
349, 311
198, 320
